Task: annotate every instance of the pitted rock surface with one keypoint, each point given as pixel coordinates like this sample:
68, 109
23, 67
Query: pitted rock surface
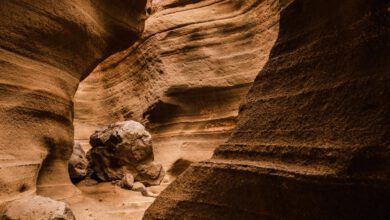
124, 148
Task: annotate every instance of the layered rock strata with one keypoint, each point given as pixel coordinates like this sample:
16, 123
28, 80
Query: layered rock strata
186, 76
46, 48
312, 141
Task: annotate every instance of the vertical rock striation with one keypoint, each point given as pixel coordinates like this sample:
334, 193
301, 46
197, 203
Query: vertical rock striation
186, 76
46, 48
312, 141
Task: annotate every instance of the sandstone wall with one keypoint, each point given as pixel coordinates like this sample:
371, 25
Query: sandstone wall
46, 48
312, 141
185, 78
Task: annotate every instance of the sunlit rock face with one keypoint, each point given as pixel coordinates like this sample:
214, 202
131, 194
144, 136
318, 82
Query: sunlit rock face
312, 139
46, 48
185, 78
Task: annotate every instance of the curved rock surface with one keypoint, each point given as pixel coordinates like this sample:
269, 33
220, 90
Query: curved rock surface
46, 48
312, 141
186, 76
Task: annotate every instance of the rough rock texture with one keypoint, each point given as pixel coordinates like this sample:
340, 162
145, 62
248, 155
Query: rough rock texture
312, 141
178, 167
124, 148
78, 163
46, 48
127, 181
37, 208
185, 78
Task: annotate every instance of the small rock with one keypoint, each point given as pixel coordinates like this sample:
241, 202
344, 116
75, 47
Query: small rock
139, 187
147, 193
89, 181
78, 164
150, 174
37, 207
127, 181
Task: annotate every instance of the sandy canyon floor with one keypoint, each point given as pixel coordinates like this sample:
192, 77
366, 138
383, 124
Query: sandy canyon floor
108, 201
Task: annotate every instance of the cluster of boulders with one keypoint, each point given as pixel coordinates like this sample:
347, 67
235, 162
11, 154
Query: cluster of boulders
121, 153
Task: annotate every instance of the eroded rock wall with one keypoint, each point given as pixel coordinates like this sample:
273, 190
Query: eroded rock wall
312, 141
46, 48
185, 78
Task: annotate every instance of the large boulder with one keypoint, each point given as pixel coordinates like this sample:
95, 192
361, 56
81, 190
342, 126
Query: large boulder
36, 207
78, 163
124, 148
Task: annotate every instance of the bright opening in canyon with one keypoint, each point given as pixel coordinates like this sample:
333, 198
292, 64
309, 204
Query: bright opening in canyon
194, 109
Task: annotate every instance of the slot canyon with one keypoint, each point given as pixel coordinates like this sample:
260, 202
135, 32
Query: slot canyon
194, 109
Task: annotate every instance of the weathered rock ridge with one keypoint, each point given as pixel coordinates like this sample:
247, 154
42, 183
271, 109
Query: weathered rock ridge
46, 48
312, 141
185, 77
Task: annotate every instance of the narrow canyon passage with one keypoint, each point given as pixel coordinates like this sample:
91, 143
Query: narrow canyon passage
194, 109
184, 79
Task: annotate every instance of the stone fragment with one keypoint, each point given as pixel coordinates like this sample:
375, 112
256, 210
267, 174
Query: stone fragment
139, 187
36, 207
78, 164
127, 181
147, 193
152, 172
